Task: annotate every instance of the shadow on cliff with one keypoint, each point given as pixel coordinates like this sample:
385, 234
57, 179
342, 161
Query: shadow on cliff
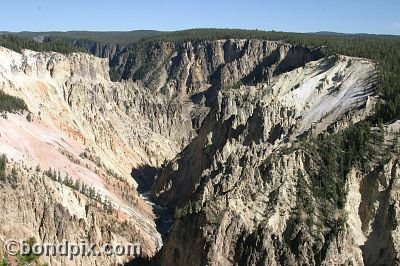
139, 262
144, 176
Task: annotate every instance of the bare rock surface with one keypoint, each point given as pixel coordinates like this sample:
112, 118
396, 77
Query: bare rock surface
220, 131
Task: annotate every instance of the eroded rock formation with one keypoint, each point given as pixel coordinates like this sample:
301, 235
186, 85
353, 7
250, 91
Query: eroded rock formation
225, 127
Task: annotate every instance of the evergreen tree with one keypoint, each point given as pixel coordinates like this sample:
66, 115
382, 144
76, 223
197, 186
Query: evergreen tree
3, 163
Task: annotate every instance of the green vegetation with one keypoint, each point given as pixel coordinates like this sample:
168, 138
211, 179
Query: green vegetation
115, 175
87, 155
11, 104
29, 117
335, 155
3, 164
30, 258
305, 204
111, 37
80, 187
222, 34
188, 209
338, 153
328, 159
18, 44
4, 262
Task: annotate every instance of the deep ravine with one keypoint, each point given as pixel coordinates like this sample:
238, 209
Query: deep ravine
164, 215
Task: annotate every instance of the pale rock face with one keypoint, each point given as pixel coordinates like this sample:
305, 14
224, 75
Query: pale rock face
73, 94
88, 128
259, 119
221, 121
238, 182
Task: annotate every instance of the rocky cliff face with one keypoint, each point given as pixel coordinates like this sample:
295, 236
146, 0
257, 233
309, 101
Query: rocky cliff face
97, 49
250, 188
236, 133
195, 71
270, 212
323, 95
84, 127
35, 205
245, 186
199, 68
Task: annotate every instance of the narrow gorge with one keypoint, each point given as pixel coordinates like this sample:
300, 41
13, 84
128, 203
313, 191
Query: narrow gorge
226, 152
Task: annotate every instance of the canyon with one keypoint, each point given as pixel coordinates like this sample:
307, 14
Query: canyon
224, 133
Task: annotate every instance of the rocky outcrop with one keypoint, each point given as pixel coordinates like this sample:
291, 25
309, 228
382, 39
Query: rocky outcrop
259, 119
251, 189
